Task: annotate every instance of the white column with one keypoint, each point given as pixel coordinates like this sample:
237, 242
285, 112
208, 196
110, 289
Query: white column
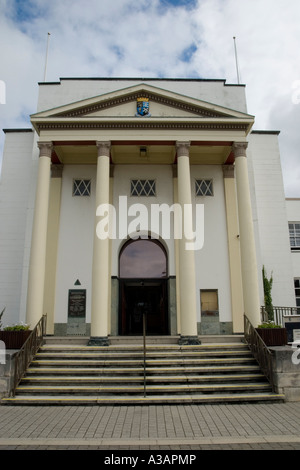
187, 277
101, 255
37, 263
247, 240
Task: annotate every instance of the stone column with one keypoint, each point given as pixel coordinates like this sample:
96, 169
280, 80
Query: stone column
247, 240
187, 277
236, 286
37, 263
101, 255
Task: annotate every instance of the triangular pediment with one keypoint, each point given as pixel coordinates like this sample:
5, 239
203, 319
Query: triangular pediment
123, 103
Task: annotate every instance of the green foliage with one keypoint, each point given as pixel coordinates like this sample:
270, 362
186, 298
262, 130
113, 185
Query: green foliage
19, 327
268, 284
269, 324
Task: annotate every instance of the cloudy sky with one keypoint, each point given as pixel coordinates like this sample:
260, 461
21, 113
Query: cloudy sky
158, 38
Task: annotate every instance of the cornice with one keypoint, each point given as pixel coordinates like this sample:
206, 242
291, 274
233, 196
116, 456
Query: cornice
143, 124
112, 102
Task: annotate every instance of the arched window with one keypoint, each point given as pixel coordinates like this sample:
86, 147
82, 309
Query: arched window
140, 259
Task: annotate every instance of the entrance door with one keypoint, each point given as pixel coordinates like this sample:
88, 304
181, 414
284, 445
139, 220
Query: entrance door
143, 288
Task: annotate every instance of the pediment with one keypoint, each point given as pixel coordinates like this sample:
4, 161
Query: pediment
122, 103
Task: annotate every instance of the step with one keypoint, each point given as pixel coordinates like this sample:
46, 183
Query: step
79, 374
141, 400
83, 380
138, 389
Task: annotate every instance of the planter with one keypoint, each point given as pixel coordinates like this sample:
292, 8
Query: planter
273, 336
14, 339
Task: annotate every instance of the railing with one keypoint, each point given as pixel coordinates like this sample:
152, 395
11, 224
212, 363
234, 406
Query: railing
260, 350
144, 349
29, 349
279, 313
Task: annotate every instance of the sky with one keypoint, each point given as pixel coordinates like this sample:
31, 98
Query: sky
158, 39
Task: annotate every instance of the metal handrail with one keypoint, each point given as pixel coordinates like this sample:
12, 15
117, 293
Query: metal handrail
279, 313
260, 350
29, 349
144, 350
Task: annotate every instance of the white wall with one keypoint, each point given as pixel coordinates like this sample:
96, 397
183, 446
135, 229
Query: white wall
162, 174
293, 214
75, 245
212, 262
70, 90
270, 217
16, 193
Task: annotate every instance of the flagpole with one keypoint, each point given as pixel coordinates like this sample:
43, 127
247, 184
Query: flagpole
46, 60
236, 61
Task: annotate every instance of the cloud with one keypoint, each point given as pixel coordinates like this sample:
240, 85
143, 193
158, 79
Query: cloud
157, 38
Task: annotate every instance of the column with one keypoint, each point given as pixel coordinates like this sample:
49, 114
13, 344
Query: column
37, 263
101, 255
52, 244
247, 240
236, 286
187, 277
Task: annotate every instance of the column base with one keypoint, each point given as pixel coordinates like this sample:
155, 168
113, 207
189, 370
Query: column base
98, 341
189, 340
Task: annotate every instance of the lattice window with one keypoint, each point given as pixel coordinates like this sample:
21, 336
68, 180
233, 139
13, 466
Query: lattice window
204, 188
294, 230
143, 188
81, 187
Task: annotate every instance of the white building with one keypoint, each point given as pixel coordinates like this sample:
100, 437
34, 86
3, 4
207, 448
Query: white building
143, 146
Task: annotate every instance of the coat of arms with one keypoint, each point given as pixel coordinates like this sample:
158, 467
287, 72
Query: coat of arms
142, 107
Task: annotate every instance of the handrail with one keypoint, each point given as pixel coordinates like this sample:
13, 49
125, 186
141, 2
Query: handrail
260, 350
144, 350
29, 349
278, 313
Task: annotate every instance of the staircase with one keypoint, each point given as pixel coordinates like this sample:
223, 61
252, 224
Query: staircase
75, 374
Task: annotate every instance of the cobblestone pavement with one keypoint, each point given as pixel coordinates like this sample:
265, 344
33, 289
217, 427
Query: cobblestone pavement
160, 427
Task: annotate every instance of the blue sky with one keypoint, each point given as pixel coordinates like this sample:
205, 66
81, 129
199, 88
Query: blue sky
159, 38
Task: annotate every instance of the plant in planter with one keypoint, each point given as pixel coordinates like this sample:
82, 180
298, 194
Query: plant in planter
272, 334
14, 336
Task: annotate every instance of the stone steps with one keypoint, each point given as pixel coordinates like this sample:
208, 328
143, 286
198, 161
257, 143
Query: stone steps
78, 374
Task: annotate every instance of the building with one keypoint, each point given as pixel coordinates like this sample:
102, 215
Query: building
132, 196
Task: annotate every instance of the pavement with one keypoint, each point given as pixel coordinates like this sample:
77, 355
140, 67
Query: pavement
181, 428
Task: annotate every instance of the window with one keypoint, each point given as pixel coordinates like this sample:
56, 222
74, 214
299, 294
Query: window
143, 188
294, 230
297, 294
81, 187
209, 302
204, 188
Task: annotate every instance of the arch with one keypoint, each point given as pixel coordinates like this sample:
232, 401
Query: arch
143, 287
143, 259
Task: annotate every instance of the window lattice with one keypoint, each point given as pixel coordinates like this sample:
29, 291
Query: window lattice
204, 188
81, 187
294, 230
143, 188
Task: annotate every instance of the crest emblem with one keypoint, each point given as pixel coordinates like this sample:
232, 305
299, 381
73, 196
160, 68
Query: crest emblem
142, 107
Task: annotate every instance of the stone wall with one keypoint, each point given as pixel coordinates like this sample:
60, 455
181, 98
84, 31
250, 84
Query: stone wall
286, 364
6, 373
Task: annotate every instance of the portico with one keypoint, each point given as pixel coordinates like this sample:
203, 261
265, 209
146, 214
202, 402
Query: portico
182, 134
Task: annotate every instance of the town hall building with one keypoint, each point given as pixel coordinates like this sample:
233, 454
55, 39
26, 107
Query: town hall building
133, 197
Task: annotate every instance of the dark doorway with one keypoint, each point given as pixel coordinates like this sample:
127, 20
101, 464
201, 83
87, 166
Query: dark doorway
143, 288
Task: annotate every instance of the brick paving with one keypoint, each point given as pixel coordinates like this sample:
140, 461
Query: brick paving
265, 426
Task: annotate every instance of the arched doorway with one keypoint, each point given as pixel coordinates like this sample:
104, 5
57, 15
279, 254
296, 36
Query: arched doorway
143, 287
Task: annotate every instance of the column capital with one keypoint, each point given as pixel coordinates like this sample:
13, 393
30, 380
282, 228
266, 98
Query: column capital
183, 148
228, 171
103, 148
45, 149
239, 149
